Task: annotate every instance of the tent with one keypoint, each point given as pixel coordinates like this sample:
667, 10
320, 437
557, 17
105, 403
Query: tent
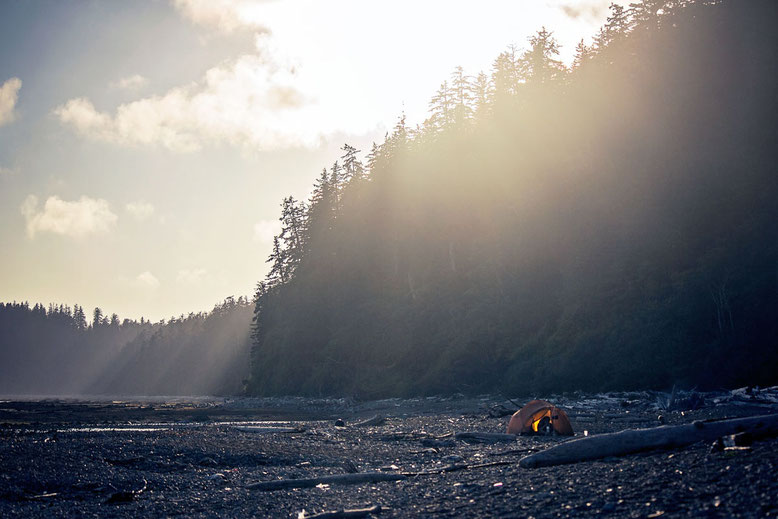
540, 417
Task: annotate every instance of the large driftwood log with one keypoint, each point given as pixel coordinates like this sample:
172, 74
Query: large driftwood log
336, 479
637, 440
339, 514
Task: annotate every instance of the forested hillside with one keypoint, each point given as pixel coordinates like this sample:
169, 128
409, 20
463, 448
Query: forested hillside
56, 351
608, 225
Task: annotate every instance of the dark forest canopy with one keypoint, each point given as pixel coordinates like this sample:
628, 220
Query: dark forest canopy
56, 351
610, 225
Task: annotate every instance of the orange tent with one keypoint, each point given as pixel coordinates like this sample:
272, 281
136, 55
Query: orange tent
540, 417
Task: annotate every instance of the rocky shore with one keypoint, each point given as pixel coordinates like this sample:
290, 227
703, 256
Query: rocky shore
204, 458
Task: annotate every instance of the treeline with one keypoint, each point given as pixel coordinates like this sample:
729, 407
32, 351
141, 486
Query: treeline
202, 354
56, 351
605, 226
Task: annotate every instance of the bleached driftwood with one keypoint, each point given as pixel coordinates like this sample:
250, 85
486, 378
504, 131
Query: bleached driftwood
266, 430
637, 440
485, 437
337, 514
376, 420
335, 479
364, 477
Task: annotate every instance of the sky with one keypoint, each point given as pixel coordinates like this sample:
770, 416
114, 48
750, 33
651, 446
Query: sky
146, 146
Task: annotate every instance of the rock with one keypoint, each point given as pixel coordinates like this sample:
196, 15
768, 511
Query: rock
207, 462
340, 423
743, 439
120, 497
499, 411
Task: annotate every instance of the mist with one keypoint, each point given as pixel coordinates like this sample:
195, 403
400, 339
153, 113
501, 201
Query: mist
54, 352
605, 226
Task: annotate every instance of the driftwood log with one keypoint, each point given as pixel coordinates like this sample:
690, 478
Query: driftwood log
364, 477
347, 513
336, 479
376, 420
637, 440
267, 430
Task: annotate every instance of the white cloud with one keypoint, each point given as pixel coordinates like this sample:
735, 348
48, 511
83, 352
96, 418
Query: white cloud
328, 69
130, 82
266, 230
224, 15
9, 94
75, 219
590, 9
140, 210
191, 276
251, 102
147, 279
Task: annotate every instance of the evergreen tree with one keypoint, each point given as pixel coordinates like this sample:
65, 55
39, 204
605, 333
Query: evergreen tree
644, 15
353, 170
462, 94
506, 77
442, 108
336, 186
373, 158
293, 231
279, 271
583, 54
616, 27
97, 318
79, 317
539, 62
482, 93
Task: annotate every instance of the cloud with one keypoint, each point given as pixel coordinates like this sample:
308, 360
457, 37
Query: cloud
130, 82
223, 15
592, 10
76, 219
9, 94
140, 210
266, 230
147, 279
251, 102
191, 276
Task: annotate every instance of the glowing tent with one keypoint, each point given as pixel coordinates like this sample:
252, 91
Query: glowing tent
540, 417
